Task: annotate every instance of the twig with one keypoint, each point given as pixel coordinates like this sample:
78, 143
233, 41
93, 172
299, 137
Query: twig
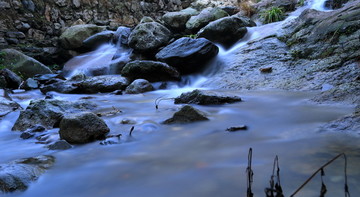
131, 130
250, 175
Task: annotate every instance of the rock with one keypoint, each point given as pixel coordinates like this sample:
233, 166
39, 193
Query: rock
266, 69
226, 31
121, 35
188, 55
231, 10
286, 5
139, 86
26, 135
149, 37
186, 114
195, 23
177, 20
206, 97
150, 70
49, 113
17, 175
20, 63
83, 127
14, 34
73, 37
335, 4
6, 104
13, 81
47, 78
59, 145
30, 84
3, 83
147, 19
98, 39
104, 83
237, 128
88, 85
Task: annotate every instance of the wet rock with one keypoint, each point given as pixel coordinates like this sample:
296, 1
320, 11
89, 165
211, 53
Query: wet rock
177, 20
17, 175
195, 23
6, 104
150, 70
73, 37
26, 135
121, 35
225, 31
231, 10
61, 86
59, 145
149, 37
147, 19
335, 4
139, 86
237, 128
186, 114
13, 81
287, 5
3, 83
98, 39
266, 69
104, 83
49, 113
20, 63
82, 128
48, 78
206, 97
188, 55
30, 84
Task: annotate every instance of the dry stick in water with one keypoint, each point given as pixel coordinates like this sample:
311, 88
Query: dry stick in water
131, 130
158, 100
347, 193
250, 175
275, 187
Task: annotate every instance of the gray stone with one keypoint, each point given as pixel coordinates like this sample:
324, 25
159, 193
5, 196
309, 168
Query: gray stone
186, 114
104, 83
59, 145
49, 113
188, 55
225, 31
29, 84
139, 86
195, 23
82, 128
26, 135
150, 70
20, 63
177, 20
6, 104
96, 40
286, 5
12, 80
147, 19
149, 37
206, 97
73, 37
121, 35
17, 175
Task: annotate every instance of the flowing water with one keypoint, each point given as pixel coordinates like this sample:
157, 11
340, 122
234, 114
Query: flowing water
197, 159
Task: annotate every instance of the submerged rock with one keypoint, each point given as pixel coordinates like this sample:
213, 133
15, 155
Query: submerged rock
149, 37
186, 114
82, 128
225, 31
22, 64
188, 55
6, 104
206, 97
73, 37
152, 71
49, 113
139, 86
17, 175
59, 145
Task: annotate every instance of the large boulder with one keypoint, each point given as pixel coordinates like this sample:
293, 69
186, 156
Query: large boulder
73, 37
177, 20
186, 114
80, 128
286, 5
17, 175
22, 64
49, 113
150, 70
149, 37
6, 104
13, 81
139, 86
195, 23
206, 97
88, 85
121, 36
188, 55
225, 31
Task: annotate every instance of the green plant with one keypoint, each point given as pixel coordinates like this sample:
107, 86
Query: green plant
273, 14
301, 3
192, 36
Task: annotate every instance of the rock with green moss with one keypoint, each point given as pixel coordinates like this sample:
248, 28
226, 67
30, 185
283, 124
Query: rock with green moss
21, 64
73, 37
195, 23
149, 37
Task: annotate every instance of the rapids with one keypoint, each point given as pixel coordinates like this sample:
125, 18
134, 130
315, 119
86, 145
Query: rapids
197, 159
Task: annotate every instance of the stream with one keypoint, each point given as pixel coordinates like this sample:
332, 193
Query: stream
196, 159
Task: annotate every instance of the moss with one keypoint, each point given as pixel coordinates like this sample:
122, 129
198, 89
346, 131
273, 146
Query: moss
327, 52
